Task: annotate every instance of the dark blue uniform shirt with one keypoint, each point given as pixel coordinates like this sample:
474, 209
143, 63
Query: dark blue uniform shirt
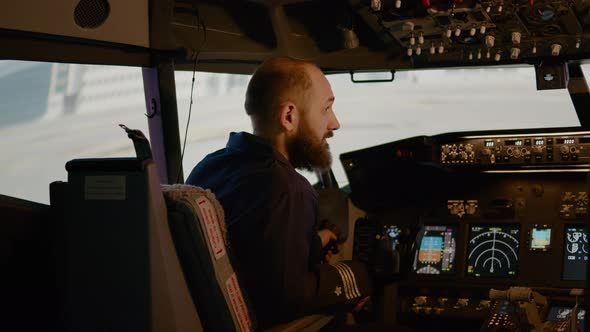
270, 212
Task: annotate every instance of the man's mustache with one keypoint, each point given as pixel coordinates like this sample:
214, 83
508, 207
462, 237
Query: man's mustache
329, 134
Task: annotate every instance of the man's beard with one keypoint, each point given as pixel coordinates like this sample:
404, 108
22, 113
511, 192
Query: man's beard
306, 153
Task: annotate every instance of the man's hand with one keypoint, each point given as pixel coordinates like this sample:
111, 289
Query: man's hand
359, 306
326, 236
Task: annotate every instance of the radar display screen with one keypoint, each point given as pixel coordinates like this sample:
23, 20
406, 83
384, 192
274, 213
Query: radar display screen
436, 253
540, 238
575, 253
493, 251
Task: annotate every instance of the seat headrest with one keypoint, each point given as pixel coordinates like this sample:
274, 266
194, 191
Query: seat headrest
207, 205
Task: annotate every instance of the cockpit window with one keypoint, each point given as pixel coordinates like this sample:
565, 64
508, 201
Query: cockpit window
439, 101
51, 113
415, 103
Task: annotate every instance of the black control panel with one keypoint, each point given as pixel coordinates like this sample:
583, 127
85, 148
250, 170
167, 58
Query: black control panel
475, 225
524, 149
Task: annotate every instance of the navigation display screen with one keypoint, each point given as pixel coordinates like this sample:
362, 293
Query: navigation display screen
540, 238
436, 251
493, 250
575, 252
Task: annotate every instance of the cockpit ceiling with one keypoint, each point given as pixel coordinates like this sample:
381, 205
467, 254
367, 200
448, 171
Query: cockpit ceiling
384, 34
235, 36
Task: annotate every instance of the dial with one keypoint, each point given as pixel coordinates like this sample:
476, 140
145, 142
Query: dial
493, 251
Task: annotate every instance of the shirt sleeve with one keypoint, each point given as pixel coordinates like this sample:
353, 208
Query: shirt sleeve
302, 286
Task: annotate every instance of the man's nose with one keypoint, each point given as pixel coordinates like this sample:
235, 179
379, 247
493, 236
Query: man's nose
333, 123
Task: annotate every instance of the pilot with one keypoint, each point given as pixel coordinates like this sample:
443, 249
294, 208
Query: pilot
271, 210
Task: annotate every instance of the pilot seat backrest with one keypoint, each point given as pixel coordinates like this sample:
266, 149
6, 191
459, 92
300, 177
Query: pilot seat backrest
120, 267
198, 228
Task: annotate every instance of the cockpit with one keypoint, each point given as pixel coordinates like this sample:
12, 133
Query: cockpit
460, 172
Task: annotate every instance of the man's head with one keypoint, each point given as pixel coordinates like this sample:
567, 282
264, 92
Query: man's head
290, 102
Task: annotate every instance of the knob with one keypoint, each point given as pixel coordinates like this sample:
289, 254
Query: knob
538, 149
376, 5
441, 49
482, 29
497, 57
514, 53
418, 50
463, 155
446, 149
578, 43
420, 300
398, 3
472, 31
457, 32
564, 149
432, 49
517, 153
535, 49
412, 40
490, 40
427, 310
438, 311
483, 304
410, 51
479, 55
461, 303
442, 300
488, 54
500, 8
516, 37
488, 9
555, 49
421, 38
470, 56
449, 32
487, 152
469, 148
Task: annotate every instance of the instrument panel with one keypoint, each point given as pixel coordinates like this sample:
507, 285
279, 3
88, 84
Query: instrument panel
480, 223
531, 149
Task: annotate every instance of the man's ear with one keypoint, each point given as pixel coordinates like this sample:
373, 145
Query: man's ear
289, 116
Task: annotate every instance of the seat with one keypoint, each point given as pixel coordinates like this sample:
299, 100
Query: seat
121, 268
118, 267
198, 228
132, 261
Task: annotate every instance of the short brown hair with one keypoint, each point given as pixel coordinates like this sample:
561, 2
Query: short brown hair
275, 81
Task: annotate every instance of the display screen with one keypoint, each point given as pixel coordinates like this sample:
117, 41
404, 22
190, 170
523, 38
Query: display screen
517, 142
489, 144
393, 234
566, 141
493, 250
436, 251
575, 253
539, 141
562, 313
540, 238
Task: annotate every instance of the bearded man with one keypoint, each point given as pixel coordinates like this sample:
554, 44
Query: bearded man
270, 209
